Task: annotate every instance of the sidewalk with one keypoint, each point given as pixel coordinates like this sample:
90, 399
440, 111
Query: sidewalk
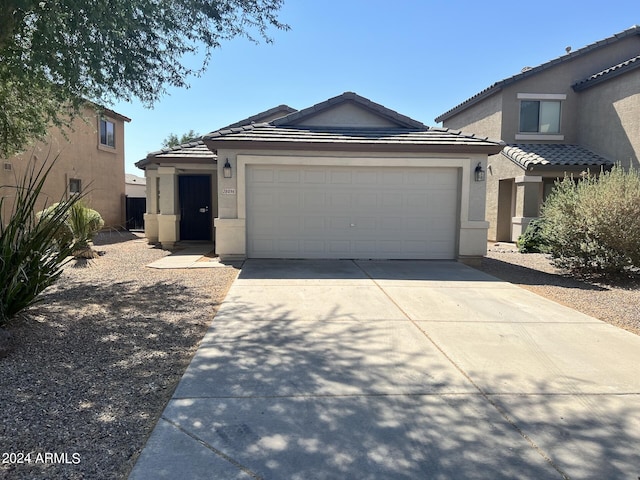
200, 255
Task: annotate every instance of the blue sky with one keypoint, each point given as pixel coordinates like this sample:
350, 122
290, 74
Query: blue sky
418, 57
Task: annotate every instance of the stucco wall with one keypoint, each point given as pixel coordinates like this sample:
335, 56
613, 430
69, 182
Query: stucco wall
609, 119
347, 115
100, 169
484, 118
499, 168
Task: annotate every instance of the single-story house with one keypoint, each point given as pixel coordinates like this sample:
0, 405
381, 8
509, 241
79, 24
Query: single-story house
346, 178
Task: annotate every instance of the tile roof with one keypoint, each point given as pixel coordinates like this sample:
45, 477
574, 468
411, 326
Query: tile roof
607, 74
195, 150
392, 115
271, 134
280, 110
543, 154
635, 30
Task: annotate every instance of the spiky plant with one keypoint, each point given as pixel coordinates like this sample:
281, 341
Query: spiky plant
32, 254
84, 223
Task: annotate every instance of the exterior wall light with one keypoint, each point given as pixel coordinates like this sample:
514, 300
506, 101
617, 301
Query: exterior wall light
479, 173
226, 170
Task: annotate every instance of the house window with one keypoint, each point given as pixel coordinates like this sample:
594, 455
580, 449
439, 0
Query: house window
540, 116
75, 186
107, 133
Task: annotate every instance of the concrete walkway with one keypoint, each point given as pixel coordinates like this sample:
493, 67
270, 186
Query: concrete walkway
399, 370
189, 255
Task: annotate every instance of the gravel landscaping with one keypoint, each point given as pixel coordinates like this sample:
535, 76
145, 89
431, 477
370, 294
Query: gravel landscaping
616, 301
98, 359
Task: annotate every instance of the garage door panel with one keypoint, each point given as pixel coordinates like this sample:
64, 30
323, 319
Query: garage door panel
340, 200
314, 176
340, 177
288, 176
313, 224
351, 212
261, 175
365, 177
286, 198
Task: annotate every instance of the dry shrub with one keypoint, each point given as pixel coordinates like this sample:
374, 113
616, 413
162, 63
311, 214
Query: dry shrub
592, 226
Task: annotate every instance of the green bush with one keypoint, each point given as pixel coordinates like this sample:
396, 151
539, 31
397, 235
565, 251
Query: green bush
593, 226
32, 250
532, 240
80, 227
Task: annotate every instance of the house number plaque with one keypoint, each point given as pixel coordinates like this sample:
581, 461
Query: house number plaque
228, 191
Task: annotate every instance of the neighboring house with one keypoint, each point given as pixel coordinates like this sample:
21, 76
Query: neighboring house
136, 201
90, 159
346, 178
578, 112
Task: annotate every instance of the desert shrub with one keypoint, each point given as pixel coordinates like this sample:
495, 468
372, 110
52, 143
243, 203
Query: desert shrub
32, 250
592, 226
532, 240
84, 224
80, 226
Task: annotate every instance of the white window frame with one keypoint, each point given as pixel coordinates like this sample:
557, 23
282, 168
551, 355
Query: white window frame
540, 97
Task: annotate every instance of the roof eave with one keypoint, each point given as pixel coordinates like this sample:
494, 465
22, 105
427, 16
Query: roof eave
584, 85
490, 149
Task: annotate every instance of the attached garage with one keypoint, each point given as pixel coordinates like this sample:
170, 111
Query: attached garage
351, 212
349, 178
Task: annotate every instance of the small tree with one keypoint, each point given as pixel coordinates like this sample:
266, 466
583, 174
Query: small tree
593, 225
32, 251
172, 140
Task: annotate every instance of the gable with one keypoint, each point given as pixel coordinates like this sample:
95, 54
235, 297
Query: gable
348, 110
347, 115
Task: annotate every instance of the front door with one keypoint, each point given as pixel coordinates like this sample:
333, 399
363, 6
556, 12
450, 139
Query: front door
195, 207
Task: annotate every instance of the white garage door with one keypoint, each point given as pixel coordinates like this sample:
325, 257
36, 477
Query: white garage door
351, 212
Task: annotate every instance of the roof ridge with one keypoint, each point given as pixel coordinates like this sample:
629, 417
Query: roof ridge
354, 97
495, 87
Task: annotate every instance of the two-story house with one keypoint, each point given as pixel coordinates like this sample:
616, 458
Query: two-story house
575, 113
89, 158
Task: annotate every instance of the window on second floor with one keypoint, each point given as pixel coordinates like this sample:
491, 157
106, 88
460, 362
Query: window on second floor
540, 116
107, 133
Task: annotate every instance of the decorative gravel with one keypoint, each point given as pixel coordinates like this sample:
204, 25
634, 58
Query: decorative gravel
98, 359
615, 301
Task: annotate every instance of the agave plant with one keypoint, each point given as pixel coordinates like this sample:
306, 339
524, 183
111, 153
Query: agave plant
32, 251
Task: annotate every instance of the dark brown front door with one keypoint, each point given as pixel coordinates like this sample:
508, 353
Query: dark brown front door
195, 207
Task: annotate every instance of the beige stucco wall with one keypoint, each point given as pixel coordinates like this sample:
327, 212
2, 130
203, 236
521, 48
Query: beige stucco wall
484, 118
347, 115
500, 168
231, 222
80, 156
609, 119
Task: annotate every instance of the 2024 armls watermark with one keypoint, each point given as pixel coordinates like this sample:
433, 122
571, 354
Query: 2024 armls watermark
34, 458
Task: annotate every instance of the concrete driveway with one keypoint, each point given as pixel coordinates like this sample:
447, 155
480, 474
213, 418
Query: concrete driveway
399, 370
